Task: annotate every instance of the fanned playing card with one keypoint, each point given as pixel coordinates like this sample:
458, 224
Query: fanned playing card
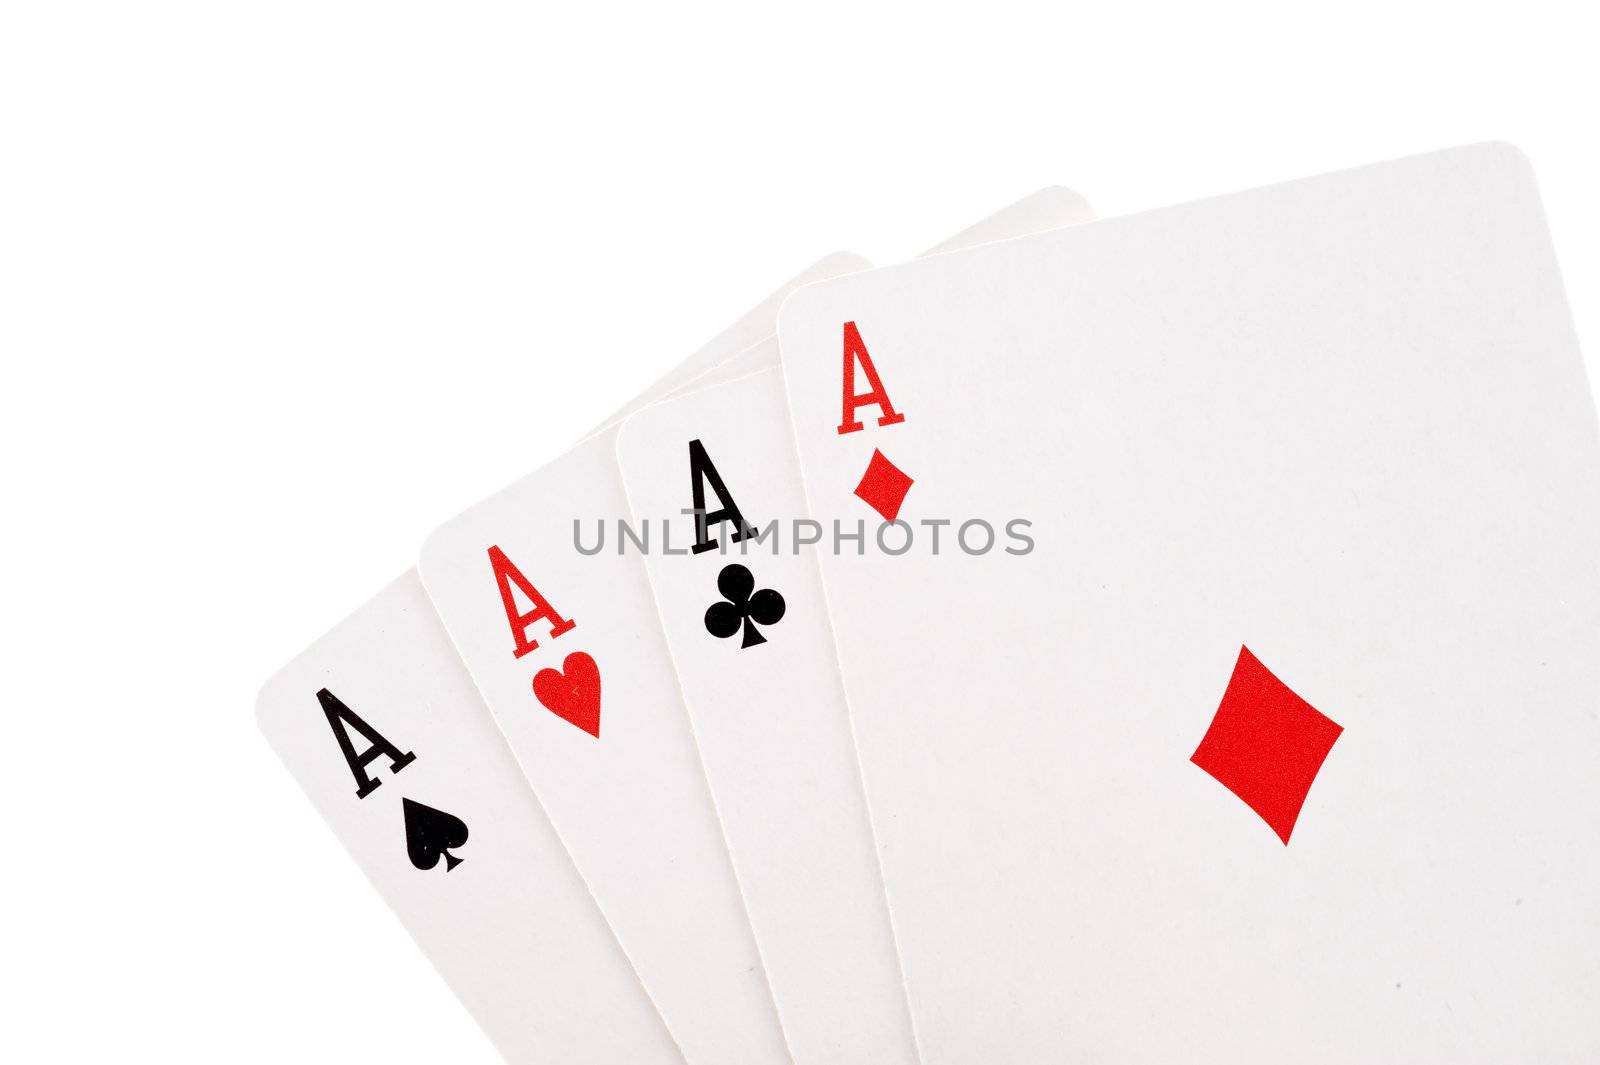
382, 727
1224, 646
562, 638
709, 476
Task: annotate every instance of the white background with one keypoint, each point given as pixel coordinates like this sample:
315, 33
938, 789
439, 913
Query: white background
284, 285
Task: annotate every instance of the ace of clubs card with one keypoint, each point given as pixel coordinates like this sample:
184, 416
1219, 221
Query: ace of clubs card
714, 478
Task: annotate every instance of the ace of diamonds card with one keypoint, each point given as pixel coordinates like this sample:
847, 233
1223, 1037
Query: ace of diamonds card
1275, 736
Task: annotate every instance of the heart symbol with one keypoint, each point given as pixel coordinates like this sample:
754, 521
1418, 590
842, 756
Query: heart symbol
572, 692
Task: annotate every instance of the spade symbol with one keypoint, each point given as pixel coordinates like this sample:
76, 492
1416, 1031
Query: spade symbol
430, 833
746, 606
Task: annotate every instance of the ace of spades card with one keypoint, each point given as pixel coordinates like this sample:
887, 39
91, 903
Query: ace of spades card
566, 648
1246, 707
383, 729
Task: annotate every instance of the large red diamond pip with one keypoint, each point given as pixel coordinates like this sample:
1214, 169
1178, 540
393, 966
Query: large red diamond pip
1266, 744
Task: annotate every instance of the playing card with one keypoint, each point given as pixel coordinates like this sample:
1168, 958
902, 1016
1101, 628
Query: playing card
380, 724
749, 634
562, 646
557, 623
1221, 646
768, 712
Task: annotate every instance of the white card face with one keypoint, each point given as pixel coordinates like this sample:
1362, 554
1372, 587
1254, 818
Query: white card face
453, 839
1342, 423
580, 682
567, 649
769, 719
769, 716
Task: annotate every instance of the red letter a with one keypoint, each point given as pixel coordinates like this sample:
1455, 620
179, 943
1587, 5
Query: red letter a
505, 574
855, 349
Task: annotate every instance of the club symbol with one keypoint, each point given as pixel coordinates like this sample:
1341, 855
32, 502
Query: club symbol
746, 606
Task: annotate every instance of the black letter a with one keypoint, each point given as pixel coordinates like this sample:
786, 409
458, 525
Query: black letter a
340, 715
700, 471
